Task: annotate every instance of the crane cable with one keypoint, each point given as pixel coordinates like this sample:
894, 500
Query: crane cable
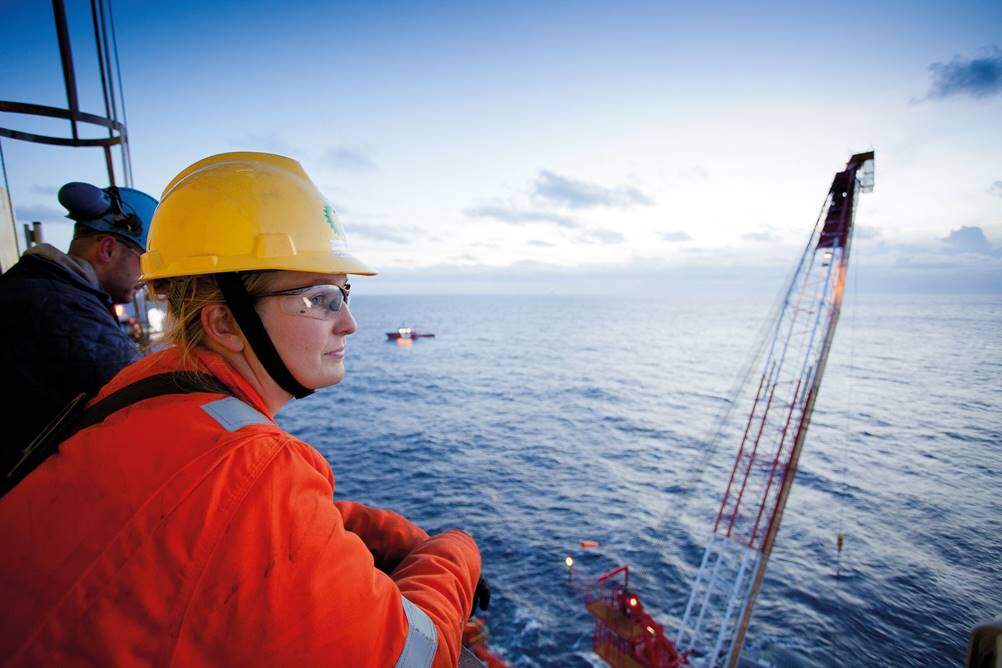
695, 472
840, 534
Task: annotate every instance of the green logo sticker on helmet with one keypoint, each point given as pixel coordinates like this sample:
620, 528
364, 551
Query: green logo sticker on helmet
338, 239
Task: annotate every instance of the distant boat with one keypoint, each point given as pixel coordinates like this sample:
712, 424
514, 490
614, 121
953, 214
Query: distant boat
407, 334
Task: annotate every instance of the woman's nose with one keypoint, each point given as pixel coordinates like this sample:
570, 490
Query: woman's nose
344, 321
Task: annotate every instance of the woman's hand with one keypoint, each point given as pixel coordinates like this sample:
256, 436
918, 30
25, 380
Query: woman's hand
389, 536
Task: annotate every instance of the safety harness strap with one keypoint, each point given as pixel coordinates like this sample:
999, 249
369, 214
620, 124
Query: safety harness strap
77, 417
171, 382
422, 639
242, 306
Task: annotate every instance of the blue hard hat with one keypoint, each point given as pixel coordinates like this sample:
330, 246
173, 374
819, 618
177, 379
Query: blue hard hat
124, 212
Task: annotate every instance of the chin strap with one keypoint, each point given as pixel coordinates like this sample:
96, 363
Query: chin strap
242, 306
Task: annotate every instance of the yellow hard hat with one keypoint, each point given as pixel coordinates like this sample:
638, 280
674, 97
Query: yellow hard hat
246, 212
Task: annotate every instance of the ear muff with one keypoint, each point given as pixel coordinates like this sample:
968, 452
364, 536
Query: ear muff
84, 201
124, 212
124, 216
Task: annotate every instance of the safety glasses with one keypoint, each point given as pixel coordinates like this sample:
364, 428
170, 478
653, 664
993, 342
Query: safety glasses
128, 247
319, 302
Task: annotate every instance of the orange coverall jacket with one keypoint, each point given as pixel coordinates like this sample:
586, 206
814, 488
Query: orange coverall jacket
191, 530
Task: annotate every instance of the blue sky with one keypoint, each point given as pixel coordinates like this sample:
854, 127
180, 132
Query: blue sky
550, 146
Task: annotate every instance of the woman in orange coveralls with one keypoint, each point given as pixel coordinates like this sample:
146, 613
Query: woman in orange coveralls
187, 528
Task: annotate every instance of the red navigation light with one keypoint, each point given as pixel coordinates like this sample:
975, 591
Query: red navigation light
633, 601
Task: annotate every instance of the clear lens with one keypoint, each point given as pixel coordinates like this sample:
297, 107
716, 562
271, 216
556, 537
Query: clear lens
319, 301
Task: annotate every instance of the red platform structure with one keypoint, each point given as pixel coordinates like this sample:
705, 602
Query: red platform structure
626, 636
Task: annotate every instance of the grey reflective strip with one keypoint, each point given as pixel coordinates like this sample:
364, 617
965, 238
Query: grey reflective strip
422, 640
468, 659
233, 414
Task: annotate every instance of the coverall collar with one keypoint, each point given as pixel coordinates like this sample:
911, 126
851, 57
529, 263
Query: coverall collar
169, 359
220, 368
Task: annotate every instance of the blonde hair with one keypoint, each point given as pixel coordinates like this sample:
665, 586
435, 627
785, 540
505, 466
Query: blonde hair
186, 296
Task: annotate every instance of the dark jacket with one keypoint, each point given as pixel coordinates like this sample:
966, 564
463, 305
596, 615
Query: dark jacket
58, 337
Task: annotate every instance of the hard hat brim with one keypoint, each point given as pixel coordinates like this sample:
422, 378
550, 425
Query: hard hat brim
319, 263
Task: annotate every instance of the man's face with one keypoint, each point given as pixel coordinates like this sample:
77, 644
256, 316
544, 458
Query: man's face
122, 278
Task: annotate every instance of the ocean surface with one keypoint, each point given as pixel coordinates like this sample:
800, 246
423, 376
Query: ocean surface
534, 422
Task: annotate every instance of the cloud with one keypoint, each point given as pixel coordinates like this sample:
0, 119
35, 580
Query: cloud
865, 233
996, 189
977, 78
541, 243
42, 212
963, 261
349, 159
514, 216
928, 266
553, 189
602, 236
674, 236
269, 142
388, 233
968, 240
44, 190
759, 236
694, 174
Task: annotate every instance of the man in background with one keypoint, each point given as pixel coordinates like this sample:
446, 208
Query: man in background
59, 335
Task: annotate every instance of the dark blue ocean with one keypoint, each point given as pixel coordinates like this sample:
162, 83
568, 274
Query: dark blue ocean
535, 422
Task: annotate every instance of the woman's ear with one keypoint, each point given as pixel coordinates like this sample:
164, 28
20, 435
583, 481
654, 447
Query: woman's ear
221, 328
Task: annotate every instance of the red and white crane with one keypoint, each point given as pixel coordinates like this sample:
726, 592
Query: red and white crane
734, 562
730, 575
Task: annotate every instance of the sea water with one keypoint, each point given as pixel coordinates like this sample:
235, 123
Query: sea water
534, 422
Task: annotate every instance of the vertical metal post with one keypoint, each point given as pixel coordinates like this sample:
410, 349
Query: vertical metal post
124, 132
110, 165
101, 63
107, 61
106, 65
66, 56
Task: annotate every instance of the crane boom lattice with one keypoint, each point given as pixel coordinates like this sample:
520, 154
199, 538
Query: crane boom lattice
734, 562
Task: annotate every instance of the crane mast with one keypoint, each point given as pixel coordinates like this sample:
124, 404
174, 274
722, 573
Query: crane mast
723, 594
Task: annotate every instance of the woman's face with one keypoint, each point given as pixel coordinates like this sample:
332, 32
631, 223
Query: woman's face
313, 349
